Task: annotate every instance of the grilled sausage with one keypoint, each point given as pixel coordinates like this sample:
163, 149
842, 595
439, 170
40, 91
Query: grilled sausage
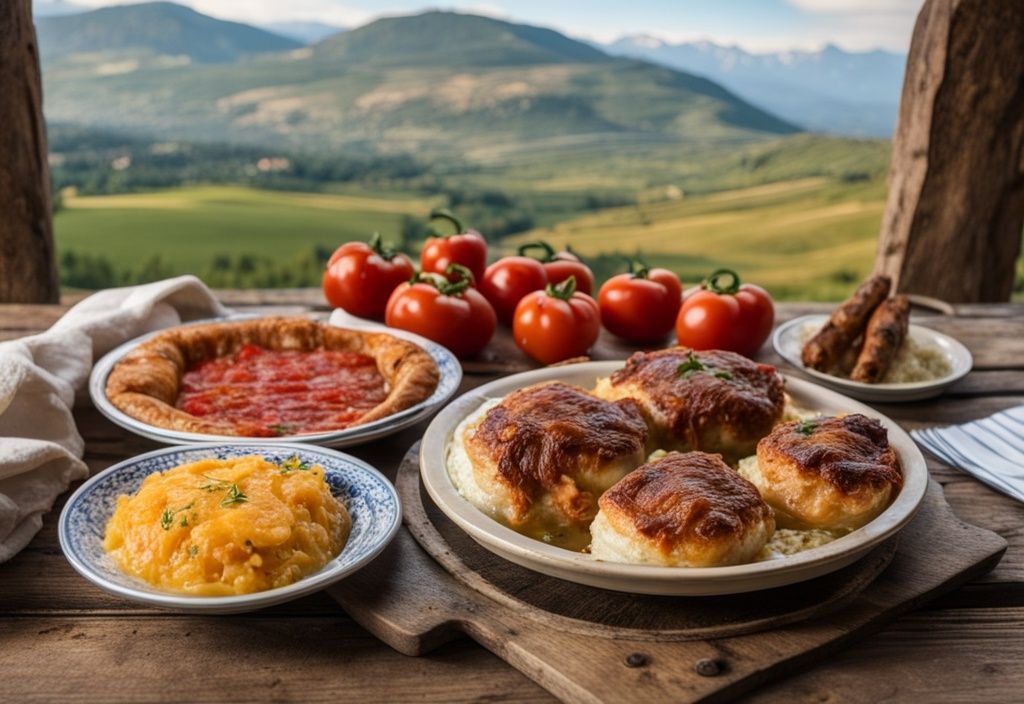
885, 333
825, 349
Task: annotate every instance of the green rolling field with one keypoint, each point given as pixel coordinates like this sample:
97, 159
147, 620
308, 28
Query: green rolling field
803, 239
188, 227
806, 238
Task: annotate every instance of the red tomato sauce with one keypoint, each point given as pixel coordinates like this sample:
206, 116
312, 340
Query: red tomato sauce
264, 392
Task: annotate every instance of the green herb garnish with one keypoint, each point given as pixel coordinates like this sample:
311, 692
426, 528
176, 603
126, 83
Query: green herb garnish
805, 427
235, 496
167, 517
214, 485
193, 551
184, 522
279, 429
292, 464
691, 365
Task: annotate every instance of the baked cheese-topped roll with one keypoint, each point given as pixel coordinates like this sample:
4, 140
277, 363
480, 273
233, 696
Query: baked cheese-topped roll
683, 510
714, 401
831, 473
541, 457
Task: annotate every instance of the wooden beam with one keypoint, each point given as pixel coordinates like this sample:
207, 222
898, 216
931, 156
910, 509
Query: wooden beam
28, 272
954, 219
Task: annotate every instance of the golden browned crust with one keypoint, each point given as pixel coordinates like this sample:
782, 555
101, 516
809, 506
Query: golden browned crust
146, 382
543, 438
852, 452
713, 400
824, 351
692, 498
885, 333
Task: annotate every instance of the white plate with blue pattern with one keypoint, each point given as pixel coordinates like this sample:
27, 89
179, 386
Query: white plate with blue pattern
370, 498
449, 378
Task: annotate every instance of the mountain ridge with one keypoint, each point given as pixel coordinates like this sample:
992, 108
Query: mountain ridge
439, 81
163, 28
830, 90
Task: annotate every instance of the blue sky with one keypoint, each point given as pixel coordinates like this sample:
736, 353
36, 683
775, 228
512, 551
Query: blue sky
758, 25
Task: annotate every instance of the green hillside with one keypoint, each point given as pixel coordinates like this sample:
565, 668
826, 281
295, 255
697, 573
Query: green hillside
455, 40
158, 28
441, 85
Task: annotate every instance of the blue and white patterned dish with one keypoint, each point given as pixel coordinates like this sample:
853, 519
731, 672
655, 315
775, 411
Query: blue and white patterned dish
448, 367
370, 498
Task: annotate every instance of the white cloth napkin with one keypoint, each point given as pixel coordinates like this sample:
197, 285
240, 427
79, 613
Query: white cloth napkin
40, 376
990, 449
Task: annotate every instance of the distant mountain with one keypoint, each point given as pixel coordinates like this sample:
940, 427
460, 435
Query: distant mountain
53, 8
453, 39
439, 83
829, 90
305, 32
157, 28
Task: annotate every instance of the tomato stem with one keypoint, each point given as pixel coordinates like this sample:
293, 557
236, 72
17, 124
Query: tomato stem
446, 214
377, 245
638, 268
711, 282
563, 290
549, 251
461, 283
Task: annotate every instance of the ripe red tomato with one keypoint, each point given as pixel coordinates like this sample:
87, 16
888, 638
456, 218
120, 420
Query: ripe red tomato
466, 247
450, 313
736, 317
508, 280
559, 266
360, 277
641, 306
557, 323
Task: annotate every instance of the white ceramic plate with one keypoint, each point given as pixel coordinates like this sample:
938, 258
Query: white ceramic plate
644, 579
369, 497
788, 344
450, 376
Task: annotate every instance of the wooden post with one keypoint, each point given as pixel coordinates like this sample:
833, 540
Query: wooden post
28, 272
953, 222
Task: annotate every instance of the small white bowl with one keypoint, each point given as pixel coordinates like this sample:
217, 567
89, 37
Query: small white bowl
670, 581
369, 497
788, 343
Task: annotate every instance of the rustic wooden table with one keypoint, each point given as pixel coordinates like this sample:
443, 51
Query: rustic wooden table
63, 639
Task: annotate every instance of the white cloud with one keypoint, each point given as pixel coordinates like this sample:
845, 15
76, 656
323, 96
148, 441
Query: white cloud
858, 7
863, 24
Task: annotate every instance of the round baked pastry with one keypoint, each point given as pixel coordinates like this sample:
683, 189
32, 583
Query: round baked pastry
269, 376
834, 473
713, 401
683, 510
539, 459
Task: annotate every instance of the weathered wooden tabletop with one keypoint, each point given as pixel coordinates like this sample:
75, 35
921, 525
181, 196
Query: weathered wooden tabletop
61, 638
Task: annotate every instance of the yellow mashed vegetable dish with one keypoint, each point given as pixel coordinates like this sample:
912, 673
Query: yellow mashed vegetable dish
232, 526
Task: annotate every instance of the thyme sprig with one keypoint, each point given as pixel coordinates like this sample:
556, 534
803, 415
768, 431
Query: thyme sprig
293, 464
167, 517
234, 496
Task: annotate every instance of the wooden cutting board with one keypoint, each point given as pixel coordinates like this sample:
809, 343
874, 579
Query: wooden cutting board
583, 644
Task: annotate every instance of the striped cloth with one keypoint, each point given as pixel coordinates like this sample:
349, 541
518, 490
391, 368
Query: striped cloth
990, 449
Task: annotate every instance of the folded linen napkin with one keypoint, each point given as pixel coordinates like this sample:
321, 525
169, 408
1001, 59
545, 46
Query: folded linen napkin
990, 449
40, 377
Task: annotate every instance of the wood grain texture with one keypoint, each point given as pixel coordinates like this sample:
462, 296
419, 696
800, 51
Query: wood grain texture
28, 271
422, 594
952, 224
